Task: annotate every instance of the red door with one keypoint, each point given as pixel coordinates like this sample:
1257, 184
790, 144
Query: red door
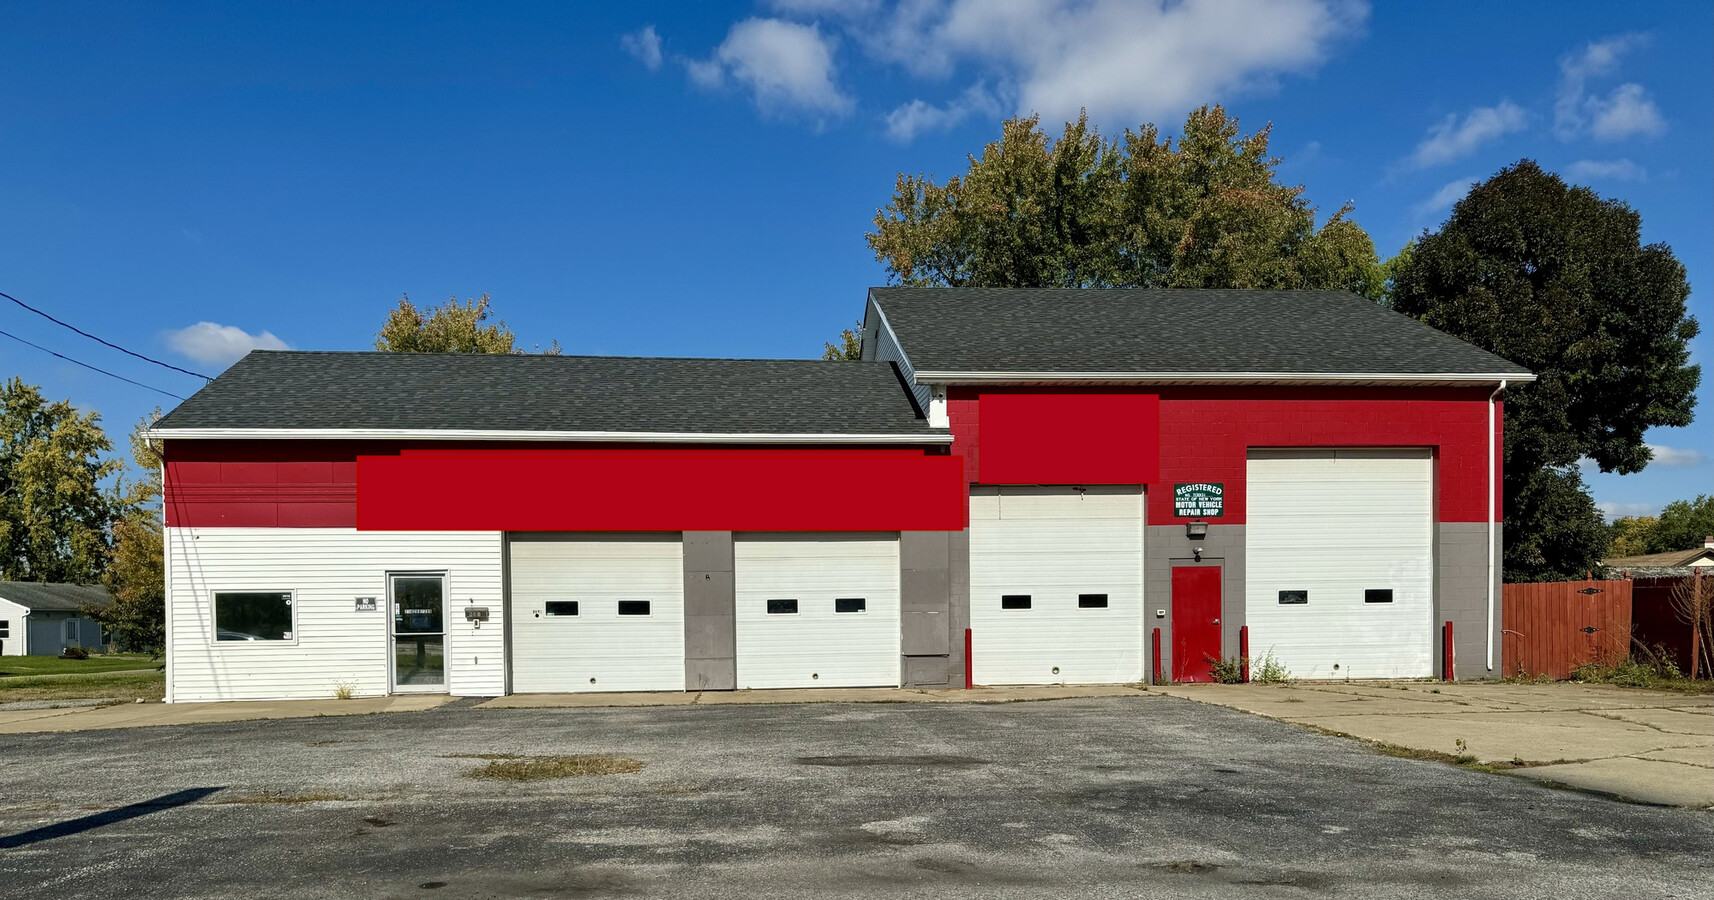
1195, 621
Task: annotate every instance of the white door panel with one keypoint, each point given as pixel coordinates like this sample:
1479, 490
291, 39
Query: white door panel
817, 645
568, 633
1337, 524
1054, 545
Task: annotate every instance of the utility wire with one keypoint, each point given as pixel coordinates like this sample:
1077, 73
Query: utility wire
100, 341
90, 367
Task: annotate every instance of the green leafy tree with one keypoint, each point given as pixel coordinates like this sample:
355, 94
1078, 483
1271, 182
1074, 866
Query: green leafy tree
1631, 535
1141, 211
135, 573
452, 327
54, 513
1683, 525
1557, 279
849, 348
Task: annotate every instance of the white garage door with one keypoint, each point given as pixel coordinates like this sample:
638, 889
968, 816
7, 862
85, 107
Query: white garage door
817, 610
1339, 557
597, 612
1056, 584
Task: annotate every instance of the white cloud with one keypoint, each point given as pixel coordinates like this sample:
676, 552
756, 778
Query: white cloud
811, 8
907, 121
787, 67
1453, 139
214, 344
1619, 510
1607, 170
1452, 192
645, 45
1675, 456
1625, 111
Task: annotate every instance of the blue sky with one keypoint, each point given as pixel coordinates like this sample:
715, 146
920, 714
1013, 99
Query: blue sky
696, 179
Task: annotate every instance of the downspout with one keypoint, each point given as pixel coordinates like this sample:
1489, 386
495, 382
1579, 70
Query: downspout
1492, 400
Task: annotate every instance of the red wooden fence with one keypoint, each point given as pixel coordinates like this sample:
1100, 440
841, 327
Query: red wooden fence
1553, 627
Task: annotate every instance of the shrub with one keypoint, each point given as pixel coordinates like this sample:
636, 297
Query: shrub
1226, 671
1266, 669
75, 653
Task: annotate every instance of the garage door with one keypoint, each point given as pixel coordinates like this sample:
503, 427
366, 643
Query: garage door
1339, 555
817, 610
1056, 584
597, 612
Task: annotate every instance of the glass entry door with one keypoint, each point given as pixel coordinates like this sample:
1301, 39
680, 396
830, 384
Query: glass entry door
419, 632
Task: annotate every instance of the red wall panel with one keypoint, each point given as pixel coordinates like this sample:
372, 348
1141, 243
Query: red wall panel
662, 490
1206, 433
1070, 438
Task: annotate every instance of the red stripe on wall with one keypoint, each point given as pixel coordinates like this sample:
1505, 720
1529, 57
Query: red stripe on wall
661, 490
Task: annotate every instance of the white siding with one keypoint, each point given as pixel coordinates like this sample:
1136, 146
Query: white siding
1054, 543
1336, 523
333, 644
597, 649
15, 642
817, 646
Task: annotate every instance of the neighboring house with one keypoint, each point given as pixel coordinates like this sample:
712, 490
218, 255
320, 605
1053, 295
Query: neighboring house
1081, 486
1660, 565
39, 619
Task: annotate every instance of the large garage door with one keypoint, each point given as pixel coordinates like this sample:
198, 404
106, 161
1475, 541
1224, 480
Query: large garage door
1339, 555
597, 612
817, 610
1056, 584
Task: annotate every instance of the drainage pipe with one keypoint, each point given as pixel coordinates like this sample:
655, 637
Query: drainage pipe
1493, 401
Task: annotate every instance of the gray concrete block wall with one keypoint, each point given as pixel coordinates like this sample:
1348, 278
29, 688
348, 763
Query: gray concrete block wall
710, 612
1164, 547
926, 621
1461, 597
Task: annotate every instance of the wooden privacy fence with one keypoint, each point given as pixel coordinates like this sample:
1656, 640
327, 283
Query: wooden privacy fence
1553, 627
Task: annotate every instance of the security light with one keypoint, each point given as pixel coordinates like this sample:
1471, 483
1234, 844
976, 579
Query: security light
1196, 530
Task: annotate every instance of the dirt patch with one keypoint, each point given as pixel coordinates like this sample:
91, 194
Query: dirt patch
540, 768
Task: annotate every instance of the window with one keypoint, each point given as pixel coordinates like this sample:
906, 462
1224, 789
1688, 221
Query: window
561, 608
253, 616
1015, 601
1378, 595
1294, 597
5, 629
1091, 601
850, 604
784, 606
71, 631
633, 607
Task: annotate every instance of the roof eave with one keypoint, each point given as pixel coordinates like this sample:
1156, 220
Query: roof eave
444, 434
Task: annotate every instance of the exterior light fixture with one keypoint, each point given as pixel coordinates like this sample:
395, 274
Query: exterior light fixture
1196, 530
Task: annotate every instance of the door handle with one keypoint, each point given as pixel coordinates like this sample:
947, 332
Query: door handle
1217, 621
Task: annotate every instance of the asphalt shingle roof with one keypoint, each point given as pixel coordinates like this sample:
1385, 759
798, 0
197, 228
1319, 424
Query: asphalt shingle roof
491, 392
60, 597
1214, 332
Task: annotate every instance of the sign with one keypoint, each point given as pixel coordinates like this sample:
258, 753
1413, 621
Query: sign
366, 604
1200, 500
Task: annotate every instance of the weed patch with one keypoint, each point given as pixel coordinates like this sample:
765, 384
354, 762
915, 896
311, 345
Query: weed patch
1654, 672
540, 768
489, 756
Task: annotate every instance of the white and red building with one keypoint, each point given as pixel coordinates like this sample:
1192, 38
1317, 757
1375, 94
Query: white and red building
1089, 486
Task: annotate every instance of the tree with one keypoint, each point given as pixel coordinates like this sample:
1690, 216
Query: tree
1683, 525
452, 327
849, 348
136, 575
1631, 535
1557, 279
1141, 211
54, 515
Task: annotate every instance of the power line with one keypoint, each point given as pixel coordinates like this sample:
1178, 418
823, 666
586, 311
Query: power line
100, 341
88, 366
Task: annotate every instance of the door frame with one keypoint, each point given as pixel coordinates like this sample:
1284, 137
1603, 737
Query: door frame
393, 687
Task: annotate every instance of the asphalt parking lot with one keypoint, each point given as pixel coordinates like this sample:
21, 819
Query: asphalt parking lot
1111, 797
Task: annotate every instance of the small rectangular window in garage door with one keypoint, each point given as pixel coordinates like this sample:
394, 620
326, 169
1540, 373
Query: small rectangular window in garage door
1091, 601
1014, 601
633, 607
850, 604
561, 607
782, 606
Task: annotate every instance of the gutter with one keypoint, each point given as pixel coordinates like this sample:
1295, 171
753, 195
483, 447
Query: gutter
1492, 401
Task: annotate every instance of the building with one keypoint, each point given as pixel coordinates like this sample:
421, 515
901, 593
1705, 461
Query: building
1060, 478
43, 619
1662, 565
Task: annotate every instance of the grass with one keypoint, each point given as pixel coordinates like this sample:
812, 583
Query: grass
122, 688
488, 756
539, 768
11, 666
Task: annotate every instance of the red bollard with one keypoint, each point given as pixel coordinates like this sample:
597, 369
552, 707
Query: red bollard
969, 667
1157, 656
1448, 661
1244, 650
